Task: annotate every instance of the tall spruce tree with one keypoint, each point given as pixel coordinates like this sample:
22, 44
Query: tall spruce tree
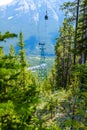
64, 55
82, 32
23, 63
25, 95
72, 8
6, 85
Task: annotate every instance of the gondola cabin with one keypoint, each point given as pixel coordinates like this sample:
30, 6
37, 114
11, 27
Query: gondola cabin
46, 16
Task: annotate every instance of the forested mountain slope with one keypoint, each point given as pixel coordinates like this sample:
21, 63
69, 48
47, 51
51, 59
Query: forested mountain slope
55, 102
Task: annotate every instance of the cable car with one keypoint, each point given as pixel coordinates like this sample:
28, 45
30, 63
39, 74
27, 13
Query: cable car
46, 16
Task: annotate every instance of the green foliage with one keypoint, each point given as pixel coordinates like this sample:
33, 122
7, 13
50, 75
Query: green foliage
18, 91
82, 33
63, 51
7, 35
69, 9
73, 108
58, 102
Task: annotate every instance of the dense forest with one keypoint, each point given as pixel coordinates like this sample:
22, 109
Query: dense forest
58, 102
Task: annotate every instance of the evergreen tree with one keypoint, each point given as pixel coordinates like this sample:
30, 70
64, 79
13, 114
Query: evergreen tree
18, 91
7, 72
22, 60
64, 55
25, 95
73, 9
82, 32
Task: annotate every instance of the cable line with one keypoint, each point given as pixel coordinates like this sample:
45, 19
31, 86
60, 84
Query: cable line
43, 70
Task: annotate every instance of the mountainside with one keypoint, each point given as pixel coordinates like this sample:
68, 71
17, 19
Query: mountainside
28, 16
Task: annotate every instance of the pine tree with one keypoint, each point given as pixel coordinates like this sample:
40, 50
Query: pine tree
64, 55
72, 8
7, 72
18, 91
82, 32
23, 63
25, 92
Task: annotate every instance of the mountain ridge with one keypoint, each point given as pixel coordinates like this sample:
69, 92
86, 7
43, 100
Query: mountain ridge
28, 16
